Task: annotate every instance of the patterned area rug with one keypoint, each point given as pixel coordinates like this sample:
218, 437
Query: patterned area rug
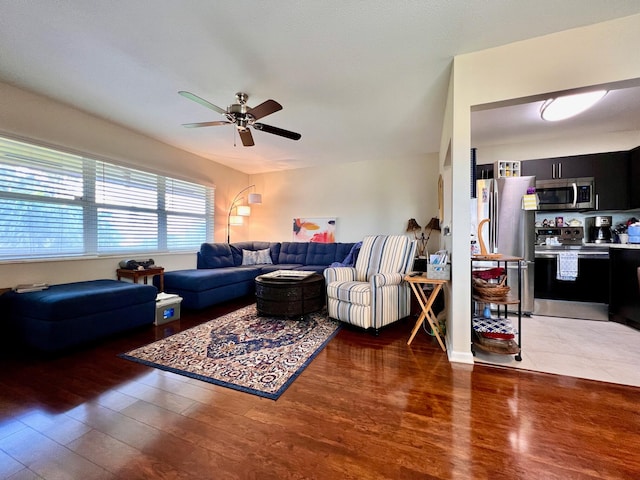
258, 355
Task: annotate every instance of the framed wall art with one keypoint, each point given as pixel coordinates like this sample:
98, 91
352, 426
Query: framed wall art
319, 230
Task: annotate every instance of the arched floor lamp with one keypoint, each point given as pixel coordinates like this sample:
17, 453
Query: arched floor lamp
241, 210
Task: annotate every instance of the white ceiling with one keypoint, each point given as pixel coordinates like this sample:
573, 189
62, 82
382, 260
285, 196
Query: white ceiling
360, 80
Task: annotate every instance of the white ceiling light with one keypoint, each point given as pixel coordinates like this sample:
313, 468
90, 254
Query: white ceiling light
561, 108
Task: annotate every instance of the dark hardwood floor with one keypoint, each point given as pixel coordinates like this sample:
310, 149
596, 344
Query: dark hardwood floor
366, 408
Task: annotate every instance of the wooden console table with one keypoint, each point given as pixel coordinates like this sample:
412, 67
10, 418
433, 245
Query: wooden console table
147, 272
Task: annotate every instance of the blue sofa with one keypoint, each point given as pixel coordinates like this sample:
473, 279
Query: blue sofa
226, 271
70, 314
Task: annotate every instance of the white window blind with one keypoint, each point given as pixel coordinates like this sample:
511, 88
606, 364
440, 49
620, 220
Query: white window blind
55, 204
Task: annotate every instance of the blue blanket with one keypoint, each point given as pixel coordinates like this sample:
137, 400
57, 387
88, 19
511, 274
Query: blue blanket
350, 259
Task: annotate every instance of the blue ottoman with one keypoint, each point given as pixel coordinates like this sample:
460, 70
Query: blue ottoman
70, 314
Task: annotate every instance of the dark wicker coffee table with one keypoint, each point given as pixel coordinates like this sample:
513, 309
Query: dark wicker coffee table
289, 294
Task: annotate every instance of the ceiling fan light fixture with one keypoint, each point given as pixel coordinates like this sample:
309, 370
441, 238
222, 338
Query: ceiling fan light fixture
567, 106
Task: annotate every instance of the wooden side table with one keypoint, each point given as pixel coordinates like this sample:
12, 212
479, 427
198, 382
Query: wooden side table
426, 304
147, 272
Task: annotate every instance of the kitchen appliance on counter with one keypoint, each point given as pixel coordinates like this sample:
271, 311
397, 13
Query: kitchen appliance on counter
598, 229
567, 194
562, 235
511, 229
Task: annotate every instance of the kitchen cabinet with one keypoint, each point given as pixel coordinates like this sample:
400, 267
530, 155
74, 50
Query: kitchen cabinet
608, 169
611, 171
560, 167
484, 171
624, 289
634, 178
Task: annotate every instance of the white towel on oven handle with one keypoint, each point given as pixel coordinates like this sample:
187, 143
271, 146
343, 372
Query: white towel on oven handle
567, 266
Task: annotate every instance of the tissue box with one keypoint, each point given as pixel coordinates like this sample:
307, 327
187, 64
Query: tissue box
438, 271
167, 308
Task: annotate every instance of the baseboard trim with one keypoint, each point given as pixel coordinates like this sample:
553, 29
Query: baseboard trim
459, 357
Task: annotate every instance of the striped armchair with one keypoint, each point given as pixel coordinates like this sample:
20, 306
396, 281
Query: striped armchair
373, 293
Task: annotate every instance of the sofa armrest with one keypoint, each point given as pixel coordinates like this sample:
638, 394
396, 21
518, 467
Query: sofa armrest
339, 274
381, 279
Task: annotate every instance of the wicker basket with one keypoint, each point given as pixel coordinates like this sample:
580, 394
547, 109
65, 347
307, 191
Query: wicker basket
491, 291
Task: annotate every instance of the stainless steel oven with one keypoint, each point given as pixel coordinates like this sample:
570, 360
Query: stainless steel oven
586, 297
567, 194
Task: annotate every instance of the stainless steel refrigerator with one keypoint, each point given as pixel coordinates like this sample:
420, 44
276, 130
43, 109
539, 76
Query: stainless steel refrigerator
510, 230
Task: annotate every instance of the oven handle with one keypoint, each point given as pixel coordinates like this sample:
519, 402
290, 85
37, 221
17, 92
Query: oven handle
594, 255
575, 194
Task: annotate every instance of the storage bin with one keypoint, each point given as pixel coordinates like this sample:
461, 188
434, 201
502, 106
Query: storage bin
634, 234
167, 308
438, 271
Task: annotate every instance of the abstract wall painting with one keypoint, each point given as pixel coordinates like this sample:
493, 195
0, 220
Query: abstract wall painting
319, 230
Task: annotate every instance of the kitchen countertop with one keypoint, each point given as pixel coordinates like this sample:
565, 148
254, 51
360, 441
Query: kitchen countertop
593, 249
630, 246
585, 246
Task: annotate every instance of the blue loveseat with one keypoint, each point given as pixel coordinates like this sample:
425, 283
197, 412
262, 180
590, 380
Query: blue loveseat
227, 271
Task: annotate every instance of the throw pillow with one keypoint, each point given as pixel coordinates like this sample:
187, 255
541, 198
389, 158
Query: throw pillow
249, 257
256, 257
263, 257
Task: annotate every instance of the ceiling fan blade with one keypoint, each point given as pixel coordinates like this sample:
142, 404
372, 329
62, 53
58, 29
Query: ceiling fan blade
206, 124
202, 101
277, 131
265, 108
246, 137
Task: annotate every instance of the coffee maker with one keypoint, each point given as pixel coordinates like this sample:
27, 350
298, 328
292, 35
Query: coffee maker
598, 229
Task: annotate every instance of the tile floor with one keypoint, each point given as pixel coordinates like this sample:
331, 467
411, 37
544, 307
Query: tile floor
596, 350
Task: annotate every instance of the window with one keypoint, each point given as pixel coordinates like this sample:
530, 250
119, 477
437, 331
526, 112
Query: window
56, 204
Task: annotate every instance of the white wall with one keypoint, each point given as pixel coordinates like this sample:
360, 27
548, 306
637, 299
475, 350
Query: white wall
595, 55
376, 197
366, 197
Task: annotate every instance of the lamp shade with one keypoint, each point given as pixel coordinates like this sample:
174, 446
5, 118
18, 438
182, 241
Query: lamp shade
255, 198
235, 220
413, 226
243, 210
434, 224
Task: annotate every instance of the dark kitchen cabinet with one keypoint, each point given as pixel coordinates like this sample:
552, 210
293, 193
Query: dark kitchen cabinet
624, 290
634, 178
484, 171
560, 167
541, 169
611, 171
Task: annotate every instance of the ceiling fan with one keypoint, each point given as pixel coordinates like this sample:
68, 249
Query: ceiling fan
243, 117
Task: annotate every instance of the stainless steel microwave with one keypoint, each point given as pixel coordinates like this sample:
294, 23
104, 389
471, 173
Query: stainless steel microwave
567, 194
